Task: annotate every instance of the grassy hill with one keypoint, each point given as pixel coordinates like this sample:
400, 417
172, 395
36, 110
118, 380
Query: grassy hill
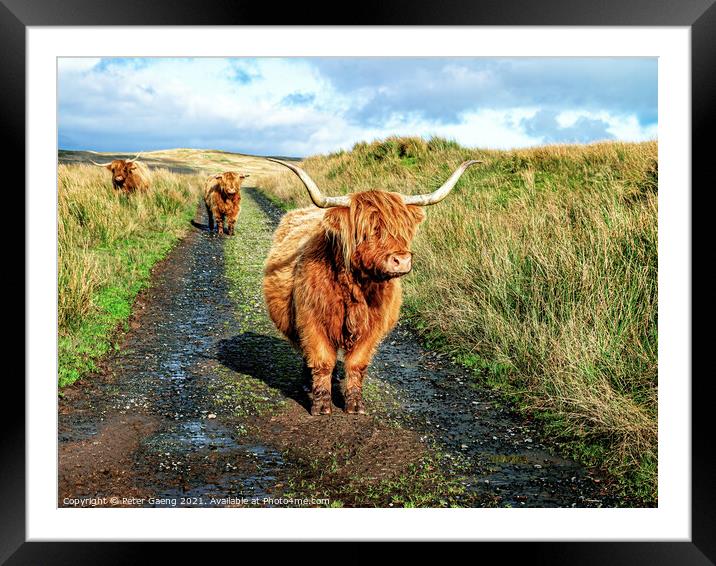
181, 160
539, 272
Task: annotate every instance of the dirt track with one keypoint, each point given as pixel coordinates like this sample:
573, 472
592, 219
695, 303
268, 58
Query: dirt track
204, 400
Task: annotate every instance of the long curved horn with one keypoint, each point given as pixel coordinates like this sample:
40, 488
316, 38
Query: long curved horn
315, 193
135, 158
439, 194
101, 164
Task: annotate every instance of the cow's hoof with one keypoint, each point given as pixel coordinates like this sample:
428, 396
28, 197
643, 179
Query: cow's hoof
318, 409
321, 405
354, 404
355, 408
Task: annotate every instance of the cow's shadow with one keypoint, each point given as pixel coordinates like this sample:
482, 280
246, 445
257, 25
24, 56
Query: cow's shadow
199, 226
276, 363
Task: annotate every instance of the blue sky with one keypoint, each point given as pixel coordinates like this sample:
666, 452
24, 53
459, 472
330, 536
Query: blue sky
292, 106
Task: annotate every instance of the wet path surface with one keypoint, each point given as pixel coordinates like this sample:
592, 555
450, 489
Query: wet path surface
152, 426
502, 455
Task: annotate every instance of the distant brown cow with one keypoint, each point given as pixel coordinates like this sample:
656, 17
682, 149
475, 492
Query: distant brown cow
331, 280
222, 196
128, 175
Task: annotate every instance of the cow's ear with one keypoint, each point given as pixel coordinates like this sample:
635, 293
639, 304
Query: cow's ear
109, 166
416, 212
336, 221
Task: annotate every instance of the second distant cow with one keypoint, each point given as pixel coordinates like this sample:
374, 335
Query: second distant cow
222, 195
128, 175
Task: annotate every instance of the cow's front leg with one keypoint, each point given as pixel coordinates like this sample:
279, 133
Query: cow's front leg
321, 388
220, 224
320, 359
354, 389
356, 363
230, 228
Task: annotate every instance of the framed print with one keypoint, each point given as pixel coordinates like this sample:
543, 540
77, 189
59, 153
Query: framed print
424, 275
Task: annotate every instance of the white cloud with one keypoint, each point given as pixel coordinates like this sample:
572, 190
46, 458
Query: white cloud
628, 128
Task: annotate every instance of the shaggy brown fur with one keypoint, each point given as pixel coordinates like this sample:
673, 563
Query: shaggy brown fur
222, 196
331, 282
129, 176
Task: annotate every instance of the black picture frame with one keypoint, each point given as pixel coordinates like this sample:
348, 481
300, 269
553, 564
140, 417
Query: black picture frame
17, 15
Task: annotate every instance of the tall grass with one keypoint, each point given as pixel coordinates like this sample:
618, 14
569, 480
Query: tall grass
539, 271
107, 243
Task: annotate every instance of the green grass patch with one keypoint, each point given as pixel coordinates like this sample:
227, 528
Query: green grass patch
258, 342
283, 205
423, 484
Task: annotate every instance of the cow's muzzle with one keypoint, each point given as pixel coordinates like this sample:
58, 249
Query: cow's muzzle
400, 264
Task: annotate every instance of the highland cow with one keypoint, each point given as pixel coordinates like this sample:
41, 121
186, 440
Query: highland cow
331, 279
222, 196
128, 175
